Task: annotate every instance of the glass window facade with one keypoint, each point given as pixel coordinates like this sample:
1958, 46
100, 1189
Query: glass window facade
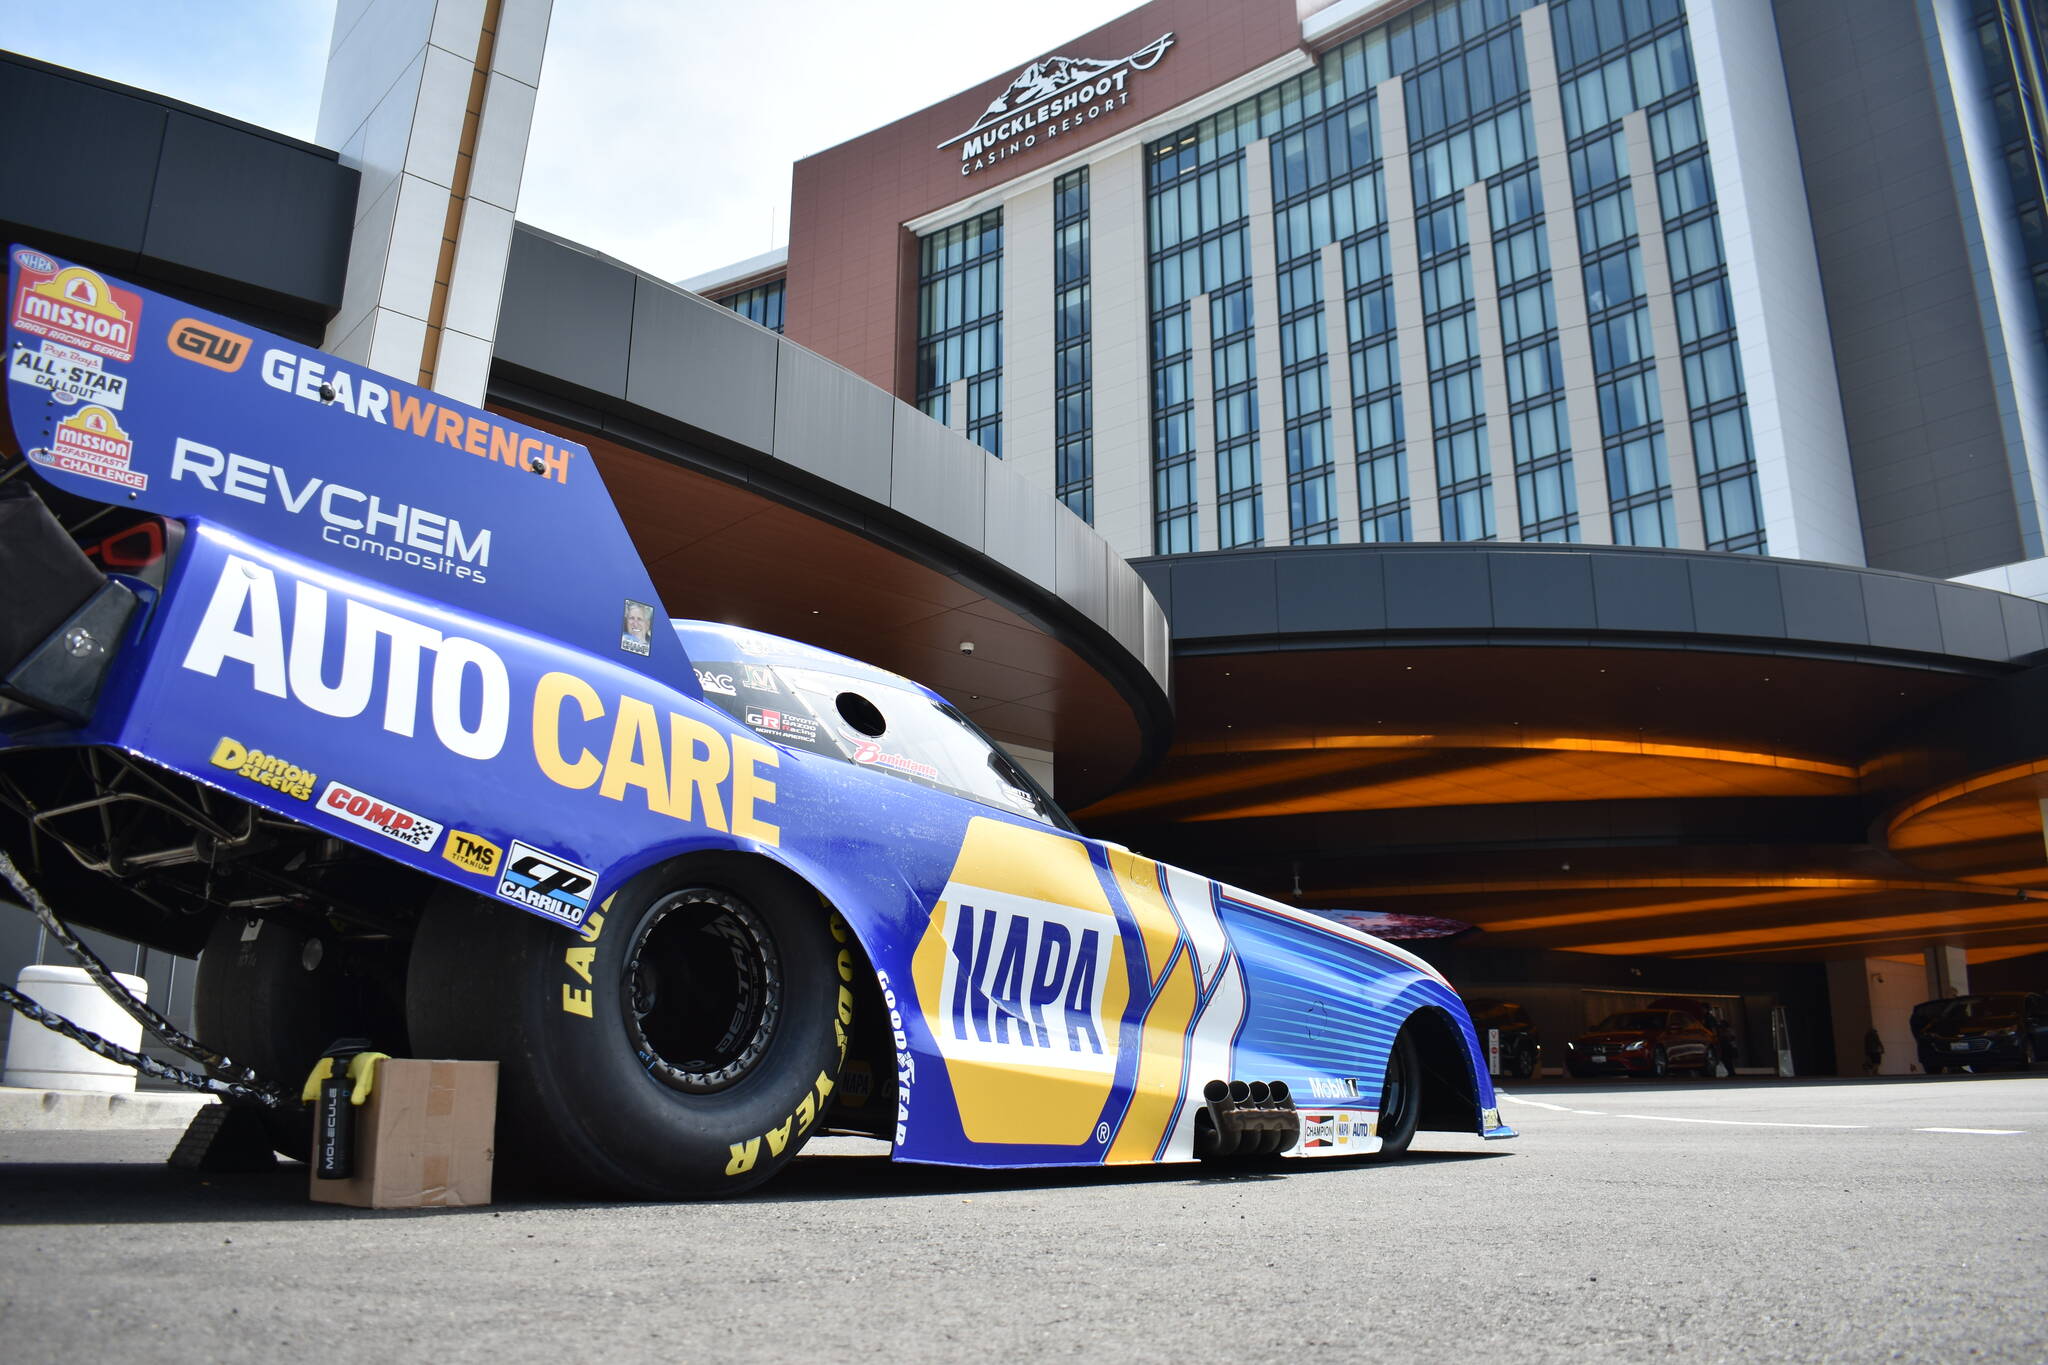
960, 326
1613, 60
1470, 148
1197, 232
2012, 36
761, 304
1073, 358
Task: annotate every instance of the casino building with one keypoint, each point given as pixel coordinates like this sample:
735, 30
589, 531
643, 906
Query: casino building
1576, 469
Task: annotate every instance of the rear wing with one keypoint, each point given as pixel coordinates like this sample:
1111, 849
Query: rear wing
128, 397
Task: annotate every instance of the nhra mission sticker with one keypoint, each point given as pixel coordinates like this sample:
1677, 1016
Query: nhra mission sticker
74, 307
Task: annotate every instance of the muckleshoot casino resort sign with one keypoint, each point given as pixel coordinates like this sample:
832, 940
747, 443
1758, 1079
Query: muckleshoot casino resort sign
1052, 96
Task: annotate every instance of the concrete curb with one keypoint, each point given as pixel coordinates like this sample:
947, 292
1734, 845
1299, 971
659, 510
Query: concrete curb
50, 1109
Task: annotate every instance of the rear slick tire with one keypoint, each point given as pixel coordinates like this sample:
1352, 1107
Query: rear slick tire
684, 1044
273, 997
1400, 1099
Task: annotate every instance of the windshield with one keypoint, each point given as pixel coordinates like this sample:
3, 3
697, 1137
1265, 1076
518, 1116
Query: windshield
1981, 1009
874, 724
1637, 1019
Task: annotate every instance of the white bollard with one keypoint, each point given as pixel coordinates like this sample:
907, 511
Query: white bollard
42, 1059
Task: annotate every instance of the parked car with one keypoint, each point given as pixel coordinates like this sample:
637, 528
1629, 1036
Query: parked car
1710, 1015
1644, 1043
2006, 1029
1521, 1052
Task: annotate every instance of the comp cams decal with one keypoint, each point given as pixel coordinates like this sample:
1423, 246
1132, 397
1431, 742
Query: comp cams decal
367, 812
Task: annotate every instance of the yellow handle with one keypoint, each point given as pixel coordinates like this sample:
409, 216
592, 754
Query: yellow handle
362, 1069
322, 1069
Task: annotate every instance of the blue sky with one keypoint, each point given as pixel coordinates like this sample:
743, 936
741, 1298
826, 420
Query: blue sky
665, 128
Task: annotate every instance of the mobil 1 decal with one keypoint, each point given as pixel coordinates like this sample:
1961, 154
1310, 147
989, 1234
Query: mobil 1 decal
120, 394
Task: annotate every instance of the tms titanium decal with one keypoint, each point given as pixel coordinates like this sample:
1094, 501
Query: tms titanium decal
312, 380
352, 519
540, 881
367, 812
264, 769
1051, 96
75, 307
69, 375
472, 853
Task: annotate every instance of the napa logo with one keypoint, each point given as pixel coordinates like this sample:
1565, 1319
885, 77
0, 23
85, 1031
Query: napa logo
1024, 981
1022, 984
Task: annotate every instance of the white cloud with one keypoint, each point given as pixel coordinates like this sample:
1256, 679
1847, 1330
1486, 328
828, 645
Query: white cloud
258, 62
665, 129
665, 132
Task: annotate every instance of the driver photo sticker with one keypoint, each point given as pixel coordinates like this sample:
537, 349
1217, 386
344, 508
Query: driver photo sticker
636, 633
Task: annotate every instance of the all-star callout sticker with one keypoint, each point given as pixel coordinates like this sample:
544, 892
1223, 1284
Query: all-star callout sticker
1051, 96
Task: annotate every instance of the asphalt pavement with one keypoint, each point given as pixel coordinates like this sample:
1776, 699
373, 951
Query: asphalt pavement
1684, 1219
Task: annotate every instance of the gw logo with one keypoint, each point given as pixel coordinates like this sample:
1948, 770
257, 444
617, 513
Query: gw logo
209, 345
1027, 980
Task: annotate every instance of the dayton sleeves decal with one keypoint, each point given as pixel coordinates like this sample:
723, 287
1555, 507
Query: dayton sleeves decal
1073, 1006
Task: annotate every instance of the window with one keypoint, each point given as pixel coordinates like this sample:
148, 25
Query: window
762, 304
960, 326
1074, 349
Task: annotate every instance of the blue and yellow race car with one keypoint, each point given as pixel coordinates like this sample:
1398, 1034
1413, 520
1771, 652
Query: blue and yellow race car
367, 694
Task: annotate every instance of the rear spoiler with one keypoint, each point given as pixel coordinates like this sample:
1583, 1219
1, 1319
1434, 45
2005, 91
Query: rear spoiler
124, 396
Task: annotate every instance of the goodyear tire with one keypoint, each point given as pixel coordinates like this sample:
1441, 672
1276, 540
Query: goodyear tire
1400, 1098
683, 1044
273, 997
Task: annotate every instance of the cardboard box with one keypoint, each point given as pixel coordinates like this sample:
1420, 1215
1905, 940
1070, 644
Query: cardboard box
424, 1138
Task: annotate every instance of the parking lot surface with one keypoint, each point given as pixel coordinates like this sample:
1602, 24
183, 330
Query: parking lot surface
1690, 1220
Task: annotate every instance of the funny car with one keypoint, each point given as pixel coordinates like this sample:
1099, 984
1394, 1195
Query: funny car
367, 694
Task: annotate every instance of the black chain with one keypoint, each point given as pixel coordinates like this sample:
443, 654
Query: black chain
265, 1095
239, 1080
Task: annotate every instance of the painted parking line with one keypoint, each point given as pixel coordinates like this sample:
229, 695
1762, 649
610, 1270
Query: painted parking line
1668, 1118
1744, 1123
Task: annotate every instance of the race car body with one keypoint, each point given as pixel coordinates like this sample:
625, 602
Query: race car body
386, 674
